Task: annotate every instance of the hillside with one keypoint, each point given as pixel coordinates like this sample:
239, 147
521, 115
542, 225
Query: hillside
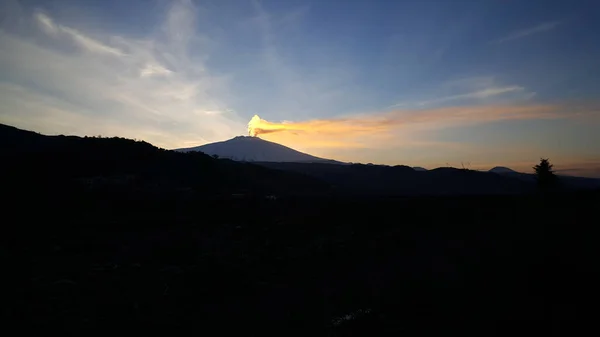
69, 161
369, 179
139, 167
502, 169
405, 181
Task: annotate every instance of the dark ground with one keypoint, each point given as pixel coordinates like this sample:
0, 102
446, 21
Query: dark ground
109, 236
94, 264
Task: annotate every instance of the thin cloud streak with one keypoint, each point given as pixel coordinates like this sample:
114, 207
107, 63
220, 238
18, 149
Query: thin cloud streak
51, 28
154, 70
473, 91
480, 94
541, 28
150, 88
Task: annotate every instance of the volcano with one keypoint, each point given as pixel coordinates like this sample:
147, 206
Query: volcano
255, 149
502, 170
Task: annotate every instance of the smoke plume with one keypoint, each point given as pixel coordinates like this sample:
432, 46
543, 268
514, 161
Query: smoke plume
369, 125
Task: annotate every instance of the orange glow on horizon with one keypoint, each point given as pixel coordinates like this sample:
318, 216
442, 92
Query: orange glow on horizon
366, 129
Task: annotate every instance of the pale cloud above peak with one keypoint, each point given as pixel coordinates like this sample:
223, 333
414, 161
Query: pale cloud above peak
541, 28
91, 44
478, 90
470, 83
479, 94
153, 69
494, 91
212, 112
83, 41
46, 23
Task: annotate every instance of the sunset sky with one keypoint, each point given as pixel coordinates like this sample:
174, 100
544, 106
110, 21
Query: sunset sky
419, 82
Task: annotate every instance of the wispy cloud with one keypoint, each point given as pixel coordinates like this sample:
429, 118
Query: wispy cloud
154, 70
59, 79
87, 43
480, 94
541, 28
466, 91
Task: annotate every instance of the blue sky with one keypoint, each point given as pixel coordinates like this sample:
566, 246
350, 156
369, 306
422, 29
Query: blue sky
488, 82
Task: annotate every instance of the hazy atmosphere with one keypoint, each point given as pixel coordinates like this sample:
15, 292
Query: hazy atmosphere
421, 83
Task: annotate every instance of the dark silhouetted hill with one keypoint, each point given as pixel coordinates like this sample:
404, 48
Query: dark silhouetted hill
370, 179
63, 162
404, 181
31, 159
502, 169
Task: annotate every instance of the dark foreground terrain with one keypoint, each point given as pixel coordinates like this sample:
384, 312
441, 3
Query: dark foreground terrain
91, 265
117, 237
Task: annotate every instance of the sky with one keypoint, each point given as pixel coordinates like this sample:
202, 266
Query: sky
475, 83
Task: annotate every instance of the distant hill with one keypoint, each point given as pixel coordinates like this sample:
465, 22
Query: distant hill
405, 181
32, 160
566, 181
502, 169
255, 149
418, 168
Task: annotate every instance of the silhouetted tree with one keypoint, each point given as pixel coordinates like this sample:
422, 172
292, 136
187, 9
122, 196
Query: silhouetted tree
216, 156
544, 174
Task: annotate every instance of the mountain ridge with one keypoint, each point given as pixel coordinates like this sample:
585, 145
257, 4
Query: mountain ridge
32, 159
502, 169
59, 159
